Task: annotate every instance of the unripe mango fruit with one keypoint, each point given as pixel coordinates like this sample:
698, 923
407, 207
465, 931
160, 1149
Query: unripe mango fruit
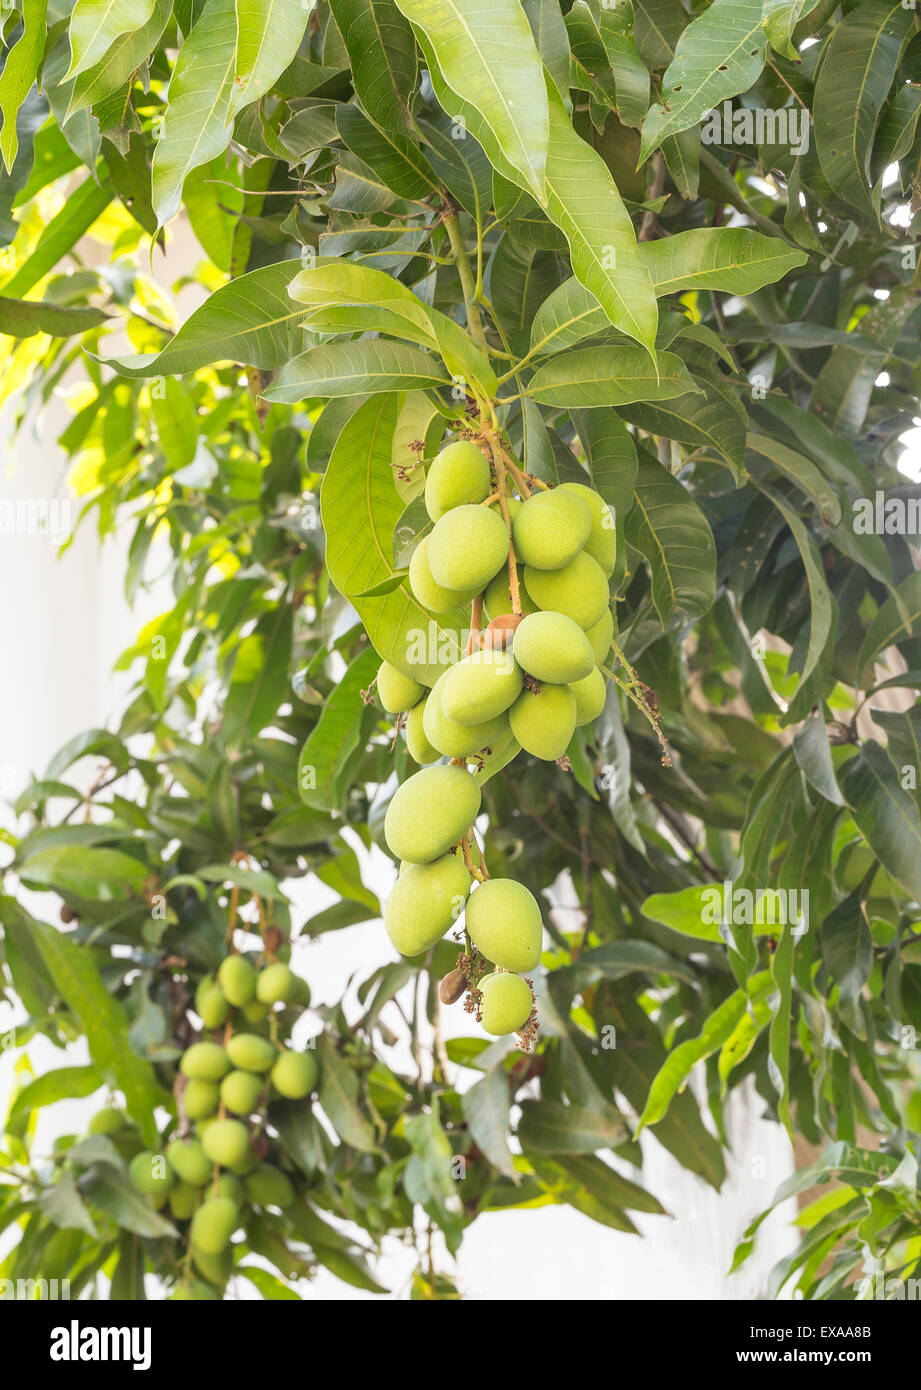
194, 1292
200, 1099
227, 1142
215, 1267
430, 812
497, 598
107, 1121
151, 1174
481, 686
506, 1003
268, 1186
590, 693
213, 1225
255, 1012
578, 589
204, 1061
452, 739
229, 1185
189, 1161
295, 1074
418, 745
425, 901
545, 721
602, 538
432, 596
505, 924
249, 1052
240, 1091
397, 692
601, 636
551, 647
210, 1004
275, 984
467, 547
183, 1199
551, 529
237, 979
459, 474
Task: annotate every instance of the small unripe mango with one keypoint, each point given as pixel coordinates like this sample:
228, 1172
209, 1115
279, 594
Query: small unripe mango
213, 1225
467, 547
151, 1174
295, 1074
189, 1161
249, 1052
227, 1142
506, 1003
215, 1267
481, 686
255, 1012
194, 1292
544, 721
590, 693
434, 597
430, 812
579, 590
240, 1092
420, 749
107, 1121
301, 995
505, 924
551, 647
449, 737
497, 597
210, 1004
551, 529
200, 1098
425, 902
397, 692
268, 1186
204, 1061
229, 1185
275, 984
237, 980
601, 636
602, 538
183, 1199
459, 474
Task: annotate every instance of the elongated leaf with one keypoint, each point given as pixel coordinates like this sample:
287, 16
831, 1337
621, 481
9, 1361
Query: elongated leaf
64, 1083
711, 420
611, 456
83, 206
395, 158
800, 471
598, 376
691, 911
821, 606
486, 1110
889, 624
110, 73
261, 683
550, 1127
735, 259
671, 532
95, 24
677, 1067
813, 754
485, 52
19, 73
269, 33
886, 815
348, 369
382, 52
21, 318
105, 875
339, 1093
782, 1024
336, 735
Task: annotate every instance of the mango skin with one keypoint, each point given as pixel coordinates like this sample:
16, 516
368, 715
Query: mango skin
189, 1161
255, 1012
434, 597
481, 686
550, 529
227, 1142
430, 812
213, 1225
210, 1004
240, 1091
467, 547
425, 901
215, 1267
601, 636
497, 598
455, 740
204, 1061
151, 1174
417, 743
590, 694
183, 1199
551, 647
602, 538
458, 475
194, 1292
506, 1003
543, 723
200, 1099
295, 1074
397, 693
268, 1186
579, 590
505, 924
275, 984
249, 1052
237, 980
107, 1121
229, 1185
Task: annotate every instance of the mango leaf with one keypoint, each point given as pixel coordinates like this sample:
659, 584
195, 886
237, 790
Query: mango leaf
486, 1110
113, 1193
677, 1066
610, 453
123, 57
103, 875
396, 159
596, 376
96, 24
64, 1083
712, 420
339, 1092
551, 1127
83, 206
689, 911
889, 624
670, 531
781, 1023
21, 318
269, 33
886, 815
347, 369
800, 471
382, 53
735, 259
19, 73
336, 735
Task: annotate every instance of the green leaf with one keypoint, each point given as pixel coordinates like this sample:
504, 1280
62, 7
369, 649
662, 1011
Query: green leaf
677, 1066
486, 1110
712, 420
61, 234
668, 528
65, 1208
813, 755
847, 950
800, 471
685, 911
886, 815
339, 1095
735, 259
103, 875
336, 735
720, 53
65, 1083
269, 34
550, 1127
113, 1193
781, 1023
611, 457
888, 625
19, 72
396, 159
382, 54
96, 24
253, 699
21, 318
110, 73
485, 52
267, 1284
348, 369
596, 376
